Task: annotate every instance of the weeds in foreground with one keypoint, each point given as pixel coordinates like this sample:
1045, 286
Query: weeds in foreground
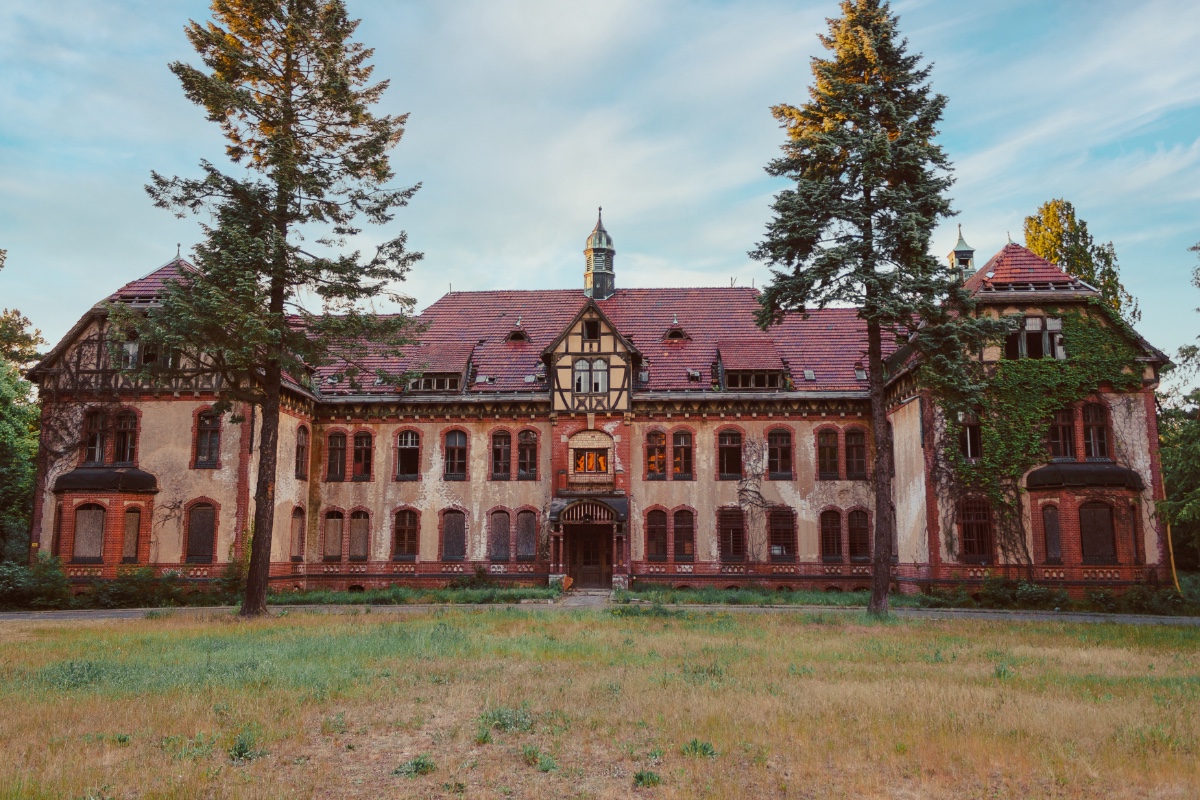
534, 757
645, 779
245, 746
698, 749
508, 720
414, 767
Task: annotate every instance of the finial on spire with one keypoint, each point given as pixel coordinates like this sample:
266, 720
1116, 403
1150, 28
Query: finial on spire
674, 319
1010, 241
518, 320
177, 246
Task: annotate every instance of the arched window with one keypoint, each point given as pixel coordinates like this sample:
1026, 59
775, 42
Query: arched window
1053, 534
95, 437
656, 536
456, 456
782, 524
1095, 432
656, 456
498, 531
208, 440
1062, 434
364, 456
1096, 536
336, 463
501, 456
860, 535
856, 455
685, 536
831, 536
133, 529
827, 456
779, 455
125, 441
335, 523
527, 456
527, 536
406, 536
302, 453
681, 443
731, 527
408, 455
729, 455
454, 536
975, 522
360, 536
89, 534
583, 376
297, 538
201, 533
599, 376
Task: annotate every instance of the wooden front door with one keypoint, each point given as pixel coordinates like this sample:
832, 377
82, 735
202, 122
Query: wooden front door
589, 560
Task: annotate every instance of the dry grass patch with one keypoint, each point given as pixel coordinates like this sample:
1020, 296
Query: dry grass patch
514, 703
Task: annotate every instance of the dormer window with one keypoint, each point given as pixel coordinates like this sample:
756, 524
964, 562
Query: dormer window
518, 335
433, 382
753, 380
675, 335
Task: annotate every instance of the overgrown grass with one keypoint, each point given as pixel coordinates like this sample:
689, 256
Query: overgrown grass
580, 704
753, 596
400, 595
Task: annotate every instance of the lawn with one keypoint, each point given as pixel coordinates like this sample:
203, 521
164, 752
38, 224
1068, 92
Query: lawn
630, 702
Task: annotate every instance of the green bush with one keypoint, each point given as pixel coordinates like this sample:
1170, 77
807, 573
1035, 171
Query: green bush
947, 598
998, 593
135, 588
646, 779
1030, 595
41, 585
1102, 600
421, 765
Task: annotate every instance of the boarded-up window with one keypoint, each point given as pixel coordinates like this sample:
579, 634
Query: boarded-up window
827, 455
782, 523
1053, 535
685, 536
860, 536
332, 547
406, 536
297, 538
454, 536
975, 521
201, 533
656, 536
856, 455
360, 536
498, 530
831, 536
89, 534
1096, 538
731, 525
133, 527
527, 536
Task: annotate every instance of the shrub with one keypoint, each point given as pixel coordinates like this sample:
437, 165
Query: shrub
1102, 600
698, 749
480, 580
998, 593
1147, 600
421, 765
136, 588
245, 746
1031, 595
947, 598
645, 779
40, 585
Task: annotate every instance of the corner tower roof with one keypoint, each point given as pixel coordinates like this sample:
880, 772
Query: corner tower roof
599, 238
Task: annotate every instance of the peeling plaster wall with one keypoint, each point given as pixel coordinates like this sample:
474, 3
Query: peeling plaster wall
908, 487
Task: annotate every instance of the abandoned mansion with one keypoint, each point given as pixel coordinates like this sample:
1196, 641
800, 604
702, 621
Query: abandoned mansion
604, 434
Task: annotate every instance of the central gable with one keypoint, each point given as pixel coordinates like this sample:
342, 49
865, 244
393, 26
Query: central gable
591, 364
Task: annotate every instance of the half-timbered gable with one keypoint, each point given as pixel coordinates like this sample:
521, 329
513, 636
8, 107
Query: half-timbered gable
592, 365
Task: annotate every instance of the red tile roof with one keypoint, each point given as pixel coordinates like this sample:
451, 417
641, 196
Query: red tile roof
149, 287
750, 353
1019, 266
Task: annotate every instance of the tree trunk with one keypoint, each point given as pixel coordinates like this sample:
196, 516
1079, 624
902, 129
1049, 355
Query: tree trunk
881, 571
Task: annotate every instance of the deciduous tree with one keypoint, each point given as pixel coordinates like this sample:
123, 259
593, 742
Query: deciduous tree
292, 93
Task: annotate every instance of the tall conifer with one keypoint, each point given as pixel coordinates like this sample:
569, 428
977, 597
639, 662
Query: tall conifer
870, 185
291, 92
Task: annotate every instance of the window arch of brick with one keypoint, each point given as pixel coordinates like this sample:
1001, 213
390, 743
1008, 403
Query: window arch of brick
456, 443
91, 521
201, 524
499, 534
731, 534
781, 441
730, 443
337, 445
527, 454
827, 442
857, 452
207, 430
452, 539
1097, 533
655, 451
406, 533
781, 527
1051, 534
682, 457
362, 456
501, 446
358, 543
296, 534
656, 533
830, 521
858, 534
526, 526
683, 534
333, 534
407, 454
975, 530
302, 445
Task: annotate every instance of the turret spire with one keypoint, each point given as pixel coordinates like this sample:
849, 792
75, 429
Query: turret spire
599, 281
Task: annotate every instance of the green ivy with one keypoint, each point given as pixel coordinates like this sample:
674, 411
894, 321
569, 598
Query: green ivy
1015, 401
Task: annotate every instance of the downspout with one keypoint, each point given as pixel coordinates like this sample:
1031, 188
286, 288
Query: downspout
1171, 553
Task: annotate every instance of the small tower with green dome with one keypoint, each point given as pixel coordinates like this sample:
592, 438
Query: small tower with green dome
599, 282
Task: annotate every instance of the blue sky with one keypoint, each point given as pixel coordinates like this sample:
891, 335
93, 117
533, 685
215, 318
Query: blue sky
526, 115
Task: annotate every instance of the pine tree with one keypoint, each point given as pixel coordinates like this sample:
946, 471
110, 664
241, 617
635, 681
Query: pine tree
1056, 234
291, 91
870, 184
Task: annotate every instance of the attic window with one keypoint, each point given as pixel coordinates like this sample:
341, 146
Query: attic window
434, 383
518, 335
693, 375
1037, 337
591, 330
333, 379
860, 374
753, 380
675, 335
809, 375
